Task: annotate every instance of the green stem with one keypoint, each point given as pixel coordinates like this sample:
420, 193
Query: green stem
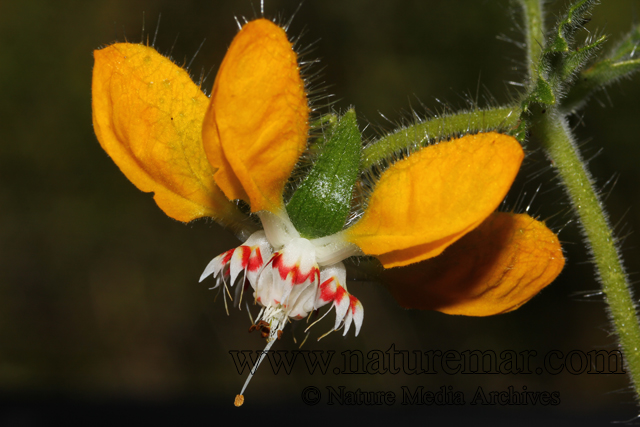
420, 134
535, 32
552, 130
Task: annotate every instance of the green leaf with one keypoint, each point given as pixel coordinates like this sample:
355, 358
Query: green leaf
575, 60
628, 47
574, 19
561, 61
622, 61
321, 204
597, 77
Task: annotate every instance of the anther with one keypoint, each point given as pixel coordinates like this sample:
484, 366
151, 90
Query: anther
239, 400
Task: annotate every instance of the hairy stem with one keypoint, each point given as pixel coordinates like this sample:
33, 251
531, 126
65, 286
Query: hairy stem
535, 33
549, 125
419, 134
554, 133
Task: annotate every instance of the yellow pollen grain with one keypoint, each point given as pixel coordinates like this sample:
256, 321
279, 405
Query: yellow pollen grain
239, 400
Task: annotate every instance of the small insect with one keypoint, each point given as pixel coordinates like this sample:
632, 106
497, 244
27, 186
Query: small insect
264, 328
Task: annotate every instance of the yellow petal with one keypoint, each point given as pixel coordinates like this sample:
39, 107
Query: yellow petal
425, 202
494, 269
256, 126
147, 115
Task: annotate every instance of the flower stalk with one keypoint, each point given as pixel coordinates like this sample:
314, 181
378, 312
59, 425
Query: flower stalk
420, 134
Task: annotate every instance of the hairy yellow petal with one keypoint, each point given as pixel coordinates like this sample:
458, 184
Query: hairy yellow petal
425, 202
256, 125
147, 115
494, 269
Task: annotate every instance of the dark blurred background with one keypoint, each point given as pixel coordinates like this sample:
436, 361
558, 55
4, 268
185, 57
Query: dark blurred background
102, 319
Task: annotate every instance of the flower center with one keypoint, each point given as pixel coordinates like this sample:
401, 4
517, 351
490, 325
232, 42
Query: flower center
291, 277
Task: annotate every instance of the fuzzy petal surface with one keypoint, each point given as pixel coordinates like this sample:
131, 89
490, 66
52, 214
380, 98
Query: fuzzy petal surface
427, 201
147, 115
256, 126
494, 269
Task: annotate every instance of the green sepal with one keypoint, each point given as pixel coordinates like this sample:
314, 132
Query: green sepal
321, 204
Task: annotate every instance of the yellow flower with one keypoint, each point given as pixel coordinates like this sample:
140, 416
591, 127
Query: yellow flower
200, 155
